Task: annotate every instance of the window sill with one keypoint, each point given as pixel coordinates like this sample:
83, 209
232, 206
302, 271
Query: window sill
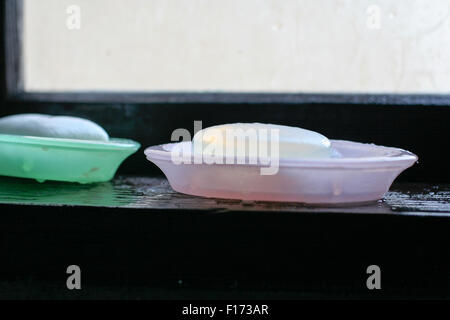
138, 238
154, 193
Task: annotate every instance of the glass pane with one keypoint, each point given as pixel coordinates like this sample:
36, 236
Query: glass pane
386, 46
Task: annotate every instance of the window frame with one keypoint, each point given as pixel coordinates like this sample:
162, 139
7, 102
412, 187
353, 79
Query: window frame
15, 85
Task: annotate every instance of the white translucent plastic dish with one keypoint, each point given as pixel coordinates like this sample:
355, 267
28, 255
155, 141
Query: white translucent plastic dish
363, 173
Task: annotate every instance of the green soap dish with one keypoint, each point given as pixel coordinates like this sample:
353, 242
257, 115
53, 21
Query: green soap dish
70, 160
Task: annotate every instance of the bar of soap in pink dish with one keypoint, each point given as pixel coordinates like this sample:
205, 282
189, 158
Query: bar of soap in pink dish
361, 173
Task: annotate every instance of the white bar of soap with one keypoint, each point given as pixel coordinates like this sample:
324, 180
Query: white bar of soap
293, 142
41, 125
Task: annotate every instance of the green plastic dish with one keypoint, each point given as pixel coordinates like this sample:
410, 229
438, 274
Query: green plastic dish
70, 160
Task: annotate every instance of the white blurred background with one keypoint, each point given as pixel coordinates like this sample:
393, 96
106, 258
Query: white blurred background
377, 46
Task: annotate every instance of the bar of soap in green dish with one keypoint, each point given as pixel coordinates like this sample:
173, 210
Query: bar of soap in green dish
71, 160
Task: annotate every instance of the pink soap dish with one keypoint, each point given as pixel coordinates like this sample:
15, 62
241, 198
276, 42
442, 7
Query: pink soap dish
363, 173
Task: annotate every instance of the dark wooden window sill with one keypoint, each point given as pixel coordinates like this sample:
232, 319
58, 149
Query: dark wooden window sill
154, 193
134, 237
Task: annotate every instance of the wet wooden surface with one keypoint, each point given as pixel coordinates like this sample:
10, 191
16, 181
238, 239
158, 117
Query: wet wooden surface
134, 237
155, 193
